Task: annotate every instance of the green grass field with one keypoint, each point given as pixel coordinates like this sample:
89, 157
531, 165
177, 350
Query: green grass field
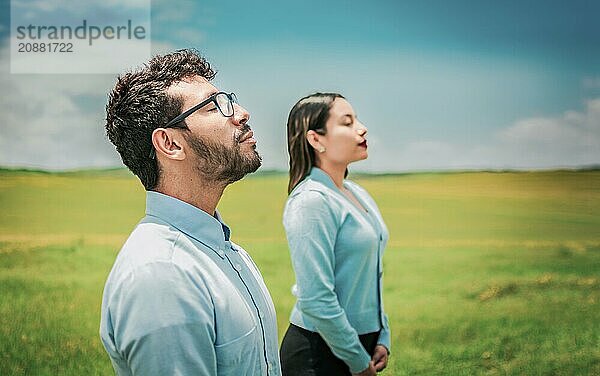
485, 273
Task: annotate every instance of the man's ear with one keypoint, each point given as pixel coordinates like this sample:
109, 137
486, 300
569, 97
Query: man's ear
168, 144
313, 139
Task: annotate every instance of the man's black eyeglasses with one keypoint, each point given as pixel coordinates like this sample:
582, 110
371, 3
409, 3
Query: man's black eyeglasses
222, 100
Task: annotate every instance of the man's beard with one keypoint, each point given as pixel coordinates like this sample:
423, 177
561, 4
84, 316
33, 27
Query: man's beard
220, 163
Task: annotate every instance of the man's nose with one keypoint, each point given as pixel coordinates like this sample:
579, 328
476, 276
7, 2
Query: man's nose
240, 115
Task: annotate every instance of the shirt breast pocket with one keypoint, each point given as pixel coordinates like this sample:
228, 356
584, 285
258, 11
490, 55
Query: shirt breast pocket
238, 333
239, 356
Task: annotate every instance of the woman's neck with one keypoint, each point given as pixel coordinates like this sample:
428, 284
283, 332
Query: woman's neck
335, 171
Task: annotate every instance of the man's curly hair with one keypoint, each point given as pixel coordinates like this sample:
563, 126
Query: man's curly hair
139, 103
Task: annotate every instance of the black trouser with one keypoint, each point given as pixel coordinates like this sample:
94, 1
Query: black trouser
305, 353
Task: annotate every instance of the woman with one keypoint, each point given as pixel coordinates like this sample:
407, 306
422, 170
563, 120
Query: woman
336, 237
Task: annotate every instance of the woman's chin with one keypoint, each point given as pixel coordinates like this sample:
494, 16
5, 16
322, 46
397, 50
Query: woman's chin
361, 157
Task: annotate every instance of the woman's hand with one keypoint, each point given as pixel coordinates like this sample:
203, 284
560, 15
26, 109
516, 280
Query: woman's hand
369, 371
380, 358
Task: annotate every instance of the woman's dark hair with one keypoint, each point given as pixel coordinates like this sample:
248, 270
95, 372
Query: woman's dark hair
309, 114
139, 103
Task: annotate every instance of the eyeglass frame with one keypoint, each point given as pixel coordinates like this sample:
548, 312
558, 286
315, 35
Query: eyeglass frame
213, 98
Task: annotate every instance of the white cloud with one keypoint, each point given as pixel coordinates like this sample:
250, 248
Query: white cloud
430, 154
191, 37
161, 48
166, 13
57, 121
184, 25
578, 130
54, 121
569, 140
37, 8
591, 82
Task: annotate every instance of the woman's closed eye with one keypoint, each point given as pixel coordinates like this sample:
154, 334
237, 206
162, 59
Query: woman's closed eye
348, 120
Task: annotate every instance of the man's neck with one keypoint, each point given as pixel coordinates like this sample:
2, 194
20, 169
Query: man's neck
195, 191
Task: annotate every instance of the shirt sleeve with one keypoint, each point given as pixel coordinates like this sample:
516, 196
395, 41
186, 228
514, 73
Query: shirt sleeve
164, 321
384, 336
311, 227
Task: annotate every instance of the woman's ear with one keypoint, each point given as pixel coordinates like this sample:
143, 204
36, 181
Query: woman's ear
168, 144
313, 139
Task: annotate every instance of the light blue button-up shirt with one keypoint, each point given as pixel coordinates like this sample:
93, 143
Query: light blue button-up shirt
182, 299
336, 250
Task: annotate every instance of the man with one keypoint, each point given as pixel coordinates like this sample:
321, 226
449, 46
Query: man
182, 298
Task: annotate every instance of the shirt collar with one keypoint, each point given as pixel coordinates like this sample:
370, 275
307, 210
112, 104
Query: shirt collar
322, 177
198, 224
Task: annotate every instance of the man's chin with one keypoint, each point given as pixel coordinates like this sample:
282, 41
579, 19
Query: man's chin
255, 163
249, 164
255, 168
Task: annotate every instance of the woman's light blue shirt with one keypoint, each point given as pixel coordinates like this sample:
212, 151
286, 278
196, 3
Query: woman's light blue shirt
336, 250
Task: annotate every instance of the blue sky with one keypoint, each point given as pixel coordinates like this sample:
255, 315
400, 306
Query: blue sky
441, 85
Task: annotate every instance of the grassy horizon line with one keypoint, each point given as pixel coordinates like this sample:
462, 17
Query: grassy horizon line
261, 172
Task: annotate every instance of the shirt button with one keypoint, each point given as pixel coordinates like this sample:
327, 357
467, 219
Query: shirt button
221, 252
272, 368
237, 266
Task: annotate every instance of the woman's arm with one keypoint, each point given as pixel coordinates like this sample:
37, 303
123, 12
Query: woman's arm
311, 227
